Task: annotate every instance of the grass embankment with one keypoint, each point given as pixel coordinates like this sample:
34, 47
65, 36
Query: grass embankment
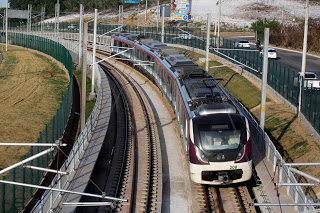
89, 103
291, 137
31, 90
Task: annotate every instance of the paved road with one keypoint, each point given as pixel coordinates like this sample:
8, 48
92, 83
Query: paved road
291, 59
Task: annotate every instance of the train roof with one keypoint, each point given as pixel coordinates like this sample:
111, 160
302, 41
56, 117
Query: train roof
205, 92
180, 60
154, 44
204, 95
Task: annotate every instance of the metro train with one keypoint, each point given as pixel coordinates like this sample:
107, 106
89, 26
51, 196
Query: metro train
215, 135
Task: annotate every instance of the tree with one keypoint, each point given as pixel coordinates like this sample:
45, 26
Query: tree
259, 26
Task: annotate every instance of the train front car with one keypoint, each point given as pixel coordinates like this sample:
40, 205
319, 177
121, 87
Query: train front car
219, 149
219, 139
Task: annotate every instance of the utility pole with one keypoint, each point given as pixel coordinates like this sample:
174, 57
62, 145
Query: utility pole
43, 14
162, 27
145, 18
304, 55
30, 18
80, 36
208, 41
84, 75
120, 14
158, 14
264, 78
216, 21
94, 65
57, 14
7, 26
219, 17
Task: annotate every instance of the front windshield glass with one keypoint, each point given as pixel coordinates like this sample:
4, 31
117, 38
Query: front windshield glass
218, 137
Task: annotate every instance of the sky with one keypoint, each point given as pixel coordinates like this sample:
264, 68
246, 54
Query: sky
3, 3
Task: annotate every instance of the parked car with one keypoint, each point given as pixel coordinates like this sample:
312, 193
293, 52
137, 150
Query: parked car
72, 26
311, 80
242, 43
184, 35
272, 53
48, 27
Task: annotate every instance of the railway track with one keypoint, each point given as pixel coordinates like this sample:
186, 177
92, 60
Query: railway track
135, 166
228, 199
145, 190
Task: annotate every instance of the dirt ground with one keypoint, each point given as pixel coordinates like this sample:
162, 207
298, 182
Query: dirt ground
31, 89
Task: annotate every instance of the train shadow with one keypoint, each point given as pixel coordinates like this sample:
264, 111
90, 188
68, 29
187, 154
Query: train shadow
226, 84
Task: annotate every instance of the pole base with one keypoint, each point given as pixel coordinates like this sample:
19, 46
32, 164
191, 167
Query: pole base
92, 95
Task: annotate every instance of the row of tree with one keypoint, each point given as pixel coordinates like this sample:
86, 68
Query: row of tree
73, 5
290, 36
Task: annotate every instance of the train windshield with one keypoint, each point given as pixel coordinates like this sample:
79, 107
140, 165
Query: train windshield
218, 137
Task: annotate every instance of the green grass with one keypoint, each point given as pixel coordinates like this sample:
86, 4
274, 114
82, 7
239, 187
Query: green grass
275, 123
89, 103
300, 144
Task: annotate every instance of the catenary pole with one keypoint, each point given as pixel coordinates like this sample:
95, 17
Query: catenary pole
84, 72
43, 15
94, 66
304, 55
162, 26
58, 17
158, 14
80, 36
7, 26
145, 17
208, 41
219, 19
264, 78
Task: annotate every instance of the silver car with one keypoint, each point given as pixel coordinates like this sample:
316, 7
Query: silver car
242, 43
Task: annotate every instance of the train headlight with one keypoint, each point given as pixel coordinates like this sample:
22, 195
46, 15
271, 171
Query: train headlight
196, 155
201, 156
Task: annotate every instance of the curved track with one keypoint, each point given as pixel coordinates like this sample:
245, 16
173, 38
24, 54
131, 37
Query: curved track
129, 167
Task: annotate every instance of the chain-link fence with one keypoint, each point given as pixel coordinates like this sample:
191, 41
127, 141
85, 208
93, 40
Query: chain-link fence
13, 198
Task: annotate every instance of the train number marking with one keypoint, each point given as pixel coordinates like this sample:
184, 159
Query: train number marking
233, 167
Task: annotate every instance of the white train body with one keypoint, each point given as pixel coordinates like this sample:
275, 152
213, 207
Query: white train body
215, 136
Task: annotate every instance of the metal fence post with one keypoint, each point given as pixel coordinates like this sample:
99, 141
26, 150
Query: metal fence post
3, 195
13, 190
24, 180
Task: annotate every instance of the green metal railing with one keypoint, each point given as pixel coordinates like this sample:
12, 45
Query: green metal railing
13, 198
